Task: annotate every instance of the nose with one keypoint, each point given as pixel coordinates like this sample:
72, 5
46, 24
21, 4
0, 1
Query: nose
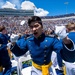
34, 28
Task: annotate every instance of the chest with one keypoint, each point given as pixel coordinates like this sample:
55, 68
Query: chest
40, 46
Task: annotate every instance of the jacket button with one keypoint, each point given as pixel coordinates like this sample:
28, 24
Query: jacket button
44, 60
44, 55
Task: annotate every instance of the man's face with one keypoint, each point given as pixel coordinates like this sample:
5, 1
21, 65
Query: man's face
36, 29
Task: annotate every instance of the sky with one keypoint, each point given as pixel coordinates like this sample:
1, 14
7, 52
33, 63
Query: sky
41, 7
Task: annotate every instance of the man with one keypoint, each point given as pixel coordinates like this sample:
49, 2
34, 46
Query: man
40, 47
68, 53
4, 56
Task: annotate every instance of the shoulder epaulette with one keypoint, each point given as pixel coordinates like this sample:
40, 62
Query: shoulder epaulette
51, 36
29, 37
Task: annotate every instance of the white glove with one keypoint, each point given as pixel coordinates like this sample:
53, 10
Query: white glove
62, 35
9, 45
61, 31
14, 37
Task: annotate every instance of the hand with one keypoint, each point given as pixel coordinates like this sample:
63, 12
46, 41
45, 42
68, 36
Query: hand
62, 35
9, 45
60, 31
14, 37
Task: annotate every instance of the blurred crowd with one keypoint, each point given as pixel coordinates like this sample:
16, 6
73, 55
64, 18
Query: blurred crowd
14, 25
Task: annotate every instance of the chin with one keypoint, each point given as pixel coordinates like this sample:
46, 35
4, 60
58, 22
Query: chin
36, 36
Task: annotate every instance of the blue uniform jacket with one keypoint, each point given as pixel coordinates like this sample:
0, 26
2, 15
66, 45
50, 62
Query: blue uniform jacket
40, 49
68, 53
3, 41
4, 57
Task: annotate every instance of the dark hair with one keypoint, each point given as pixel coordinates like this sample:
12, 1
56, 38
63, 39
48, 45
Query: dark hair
2, 28
34, 19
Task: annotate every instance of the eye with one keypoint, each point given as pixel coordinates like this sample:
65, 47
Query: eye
36, 25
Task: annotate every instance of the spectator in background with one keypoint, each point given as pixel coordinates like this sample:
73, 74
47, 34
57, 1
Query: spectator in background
4, 56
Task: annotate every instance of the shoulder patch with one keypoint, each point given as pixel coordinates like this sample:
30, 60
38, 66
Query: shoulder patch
51, 36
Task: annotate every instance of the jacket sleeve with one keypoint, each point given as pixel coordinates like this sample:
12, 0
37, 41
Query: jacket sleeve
20, 47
